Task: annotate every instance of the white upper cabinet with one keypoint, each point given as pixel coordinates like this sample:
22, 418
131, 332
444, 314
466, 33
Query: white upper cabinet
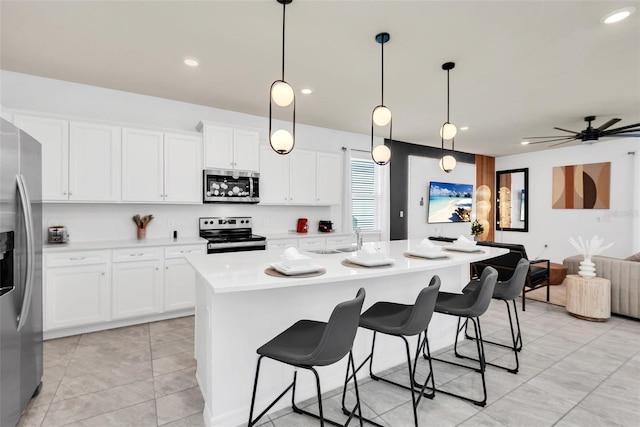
80, 161
142, 166
182, 168
301, 177
228, 147
328, 179
94, 162
53, 134
161, 167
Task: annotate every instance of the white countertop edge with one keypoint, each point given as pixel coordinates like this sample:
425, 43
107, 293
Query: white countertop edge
276, 236
117, 244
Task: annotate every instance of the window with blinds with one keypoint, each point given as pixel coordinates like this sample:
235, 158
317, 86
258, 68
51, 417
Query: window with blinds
366, 193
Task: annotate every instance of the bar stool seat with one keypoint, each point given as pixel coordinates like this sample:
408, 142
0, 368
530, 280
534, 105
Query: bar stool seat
310, 343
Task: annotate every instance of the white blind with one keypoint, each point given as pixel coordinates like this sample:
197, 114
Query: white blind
366, 191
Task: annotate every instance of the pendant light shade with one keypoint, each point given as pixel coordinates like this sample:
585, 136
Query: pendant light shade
381, 115
282, 95
448, 130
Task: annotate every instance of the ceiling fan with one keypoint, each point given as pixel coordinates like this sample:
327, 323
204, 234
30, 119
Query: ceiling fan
590, 134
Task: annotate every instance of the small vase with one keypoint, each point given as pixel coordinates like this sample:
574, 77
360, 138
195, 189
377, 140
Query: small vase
142, 233
587, 269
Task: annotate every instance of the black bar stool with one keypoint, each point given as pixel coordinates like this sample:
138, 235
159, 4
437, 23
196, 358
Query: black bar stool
401, 320
505, 291
470, 306
309, 343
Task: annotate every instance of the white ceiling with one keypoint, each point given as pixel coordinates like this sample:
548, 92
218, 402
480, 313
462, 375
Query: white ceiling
522, 67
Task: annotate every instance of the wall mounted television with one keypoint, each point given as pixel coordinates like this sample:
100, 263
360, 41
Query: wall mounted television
449, 202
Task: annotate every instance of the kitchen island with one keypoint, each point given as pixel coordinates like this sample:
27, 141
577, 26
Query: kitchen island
239, 307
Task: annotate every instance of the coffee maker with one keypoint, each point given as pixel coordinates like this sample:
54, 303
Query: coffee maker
325, 226
303, 225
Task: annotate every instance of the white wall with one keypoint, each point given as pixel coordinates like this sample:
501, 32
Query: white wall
552, 227
423, 170
110, 221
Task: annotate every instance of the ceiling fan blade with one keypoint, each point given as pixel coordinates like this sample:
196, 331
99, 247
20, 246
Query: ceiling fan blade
539, 137
609, 124
565, 130
622, 132
567, 138
559, 143
616, 130
629, 135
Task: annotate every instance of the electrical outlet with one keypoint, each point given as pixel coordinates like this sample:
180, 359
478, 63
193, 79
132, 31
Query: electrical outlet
171, 223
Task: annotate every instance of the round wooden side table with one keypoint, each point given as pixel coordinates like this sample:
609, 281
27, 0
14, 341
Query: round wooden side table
588, 299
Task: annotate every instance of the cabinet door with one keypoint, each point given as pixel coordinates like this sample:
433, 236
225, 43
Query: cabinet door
329, 179
218, 147
311, 243
94, 162
246, 149
142, 166
182, 168
281, 243
302, 177
179, 284
53, 134
136, 288
274, 177
76, 296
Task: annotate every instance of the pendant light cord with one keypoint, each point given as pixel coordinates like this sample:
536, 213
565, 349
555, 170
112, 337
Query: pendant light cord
382, 75
447, 96
284, 7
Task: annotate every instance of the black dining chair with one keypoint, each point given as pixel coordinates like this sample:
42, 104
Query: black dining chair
506, 291
469, 306
309, 343
401, 320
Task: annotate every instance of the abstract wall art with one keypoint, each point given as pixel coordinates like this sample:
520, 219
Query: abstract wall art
582, 186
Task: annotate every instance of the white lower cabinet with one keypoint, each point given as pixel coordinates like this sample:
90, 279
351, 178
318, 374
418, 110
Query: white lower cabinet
76, 293
136, 289
281, 243
311, 243
179, 284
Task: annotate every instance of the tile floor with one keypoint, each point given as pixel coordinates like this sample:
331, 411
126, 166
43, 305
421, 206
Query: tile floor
573, 373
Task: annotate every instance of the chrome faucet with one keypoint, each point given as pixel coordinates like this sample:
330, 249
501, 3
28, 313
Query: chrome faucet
358, 238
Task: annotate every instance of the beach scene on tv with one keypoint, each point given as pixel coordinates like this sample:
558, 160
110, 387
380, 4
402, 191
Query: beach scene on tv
449, 202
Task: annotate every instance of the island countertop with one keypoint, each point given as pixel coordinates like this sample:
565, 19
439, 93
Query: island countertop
245, 271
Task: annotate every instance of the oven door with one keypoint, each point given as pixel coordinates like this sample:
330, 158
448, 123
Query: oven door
222, 186
255, 245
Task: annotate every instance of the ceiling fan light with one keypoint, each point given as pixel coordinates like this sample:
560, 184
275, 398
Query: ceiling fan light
618, 15
448, 131
282, 93
448, 163
281, 141
381, 154
381, 115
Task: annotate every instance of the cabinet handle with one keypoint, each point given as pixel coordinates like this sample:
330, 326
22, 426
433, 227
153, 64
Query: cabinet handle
64, 193
77, 258
157, 269
136, 254
186, 252
70, 193
103, 273
167, 268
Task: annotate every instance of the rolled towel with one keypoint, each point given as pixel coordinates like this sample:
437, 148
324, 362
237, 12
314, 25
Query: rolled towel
293, 258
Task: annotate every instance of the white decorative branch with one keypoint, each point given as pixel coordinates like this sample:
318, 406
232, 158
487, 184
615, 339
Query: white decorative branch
589, 248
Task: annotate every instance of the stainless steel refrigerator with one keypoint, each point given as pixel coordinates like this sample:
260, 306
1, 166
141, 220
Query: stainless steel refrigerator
20, 271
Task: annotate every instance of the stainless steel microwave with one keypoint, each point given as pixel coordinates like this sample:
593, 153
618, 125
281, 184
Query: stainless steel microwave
231, 186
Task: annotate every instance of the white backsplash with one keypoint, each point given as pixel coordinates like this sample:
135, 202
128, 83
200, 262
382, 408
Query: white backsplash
96, 222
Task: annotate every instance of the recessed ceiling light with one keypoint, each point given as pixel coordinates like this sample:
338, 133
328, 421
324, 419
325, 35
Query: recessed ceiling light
464, 128
306, 91
191, 62
525, 143
618, 15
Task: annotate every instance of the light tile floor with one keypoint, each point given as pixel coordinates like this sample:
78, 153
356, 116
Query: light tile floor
573, 373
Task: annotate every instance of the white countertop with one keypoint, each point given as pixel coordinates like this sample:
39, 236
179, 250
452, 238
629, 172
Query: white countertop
292, 235
117, 244
244, 271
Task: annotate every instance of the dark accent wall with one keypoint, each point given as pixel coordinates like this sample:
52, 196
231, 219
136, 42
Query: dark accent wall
399, 185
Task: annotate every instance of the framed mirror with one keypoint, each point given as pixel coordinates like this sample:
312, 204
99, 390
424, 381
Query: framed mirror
512, 201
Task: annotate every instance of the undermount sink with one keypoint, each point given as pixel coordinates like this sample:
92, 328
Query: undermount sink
323, 251
347, 249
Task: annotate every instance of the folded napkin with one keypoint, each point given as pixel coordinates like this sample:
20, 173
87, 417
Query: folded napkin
370, 251
426, 246
463, 241
293, 258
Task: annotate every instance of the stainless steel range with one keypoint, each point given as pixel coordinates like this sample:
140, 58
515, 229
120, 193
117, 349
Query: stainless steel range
230, 234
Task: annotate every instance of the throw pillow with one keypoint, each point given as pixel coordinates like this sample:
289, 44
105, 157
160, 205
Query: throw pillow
635, 257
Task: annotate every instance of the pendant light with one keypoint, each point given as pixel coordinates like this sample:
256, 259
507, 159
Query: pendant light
448, 130
381, 115
282, 94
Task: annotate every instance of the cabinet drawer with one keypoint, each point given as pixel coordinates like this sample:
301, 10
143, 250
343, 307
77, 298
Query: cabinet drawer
136, 254
76, 258
340, 240
282, 243
313, 243
182, 251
